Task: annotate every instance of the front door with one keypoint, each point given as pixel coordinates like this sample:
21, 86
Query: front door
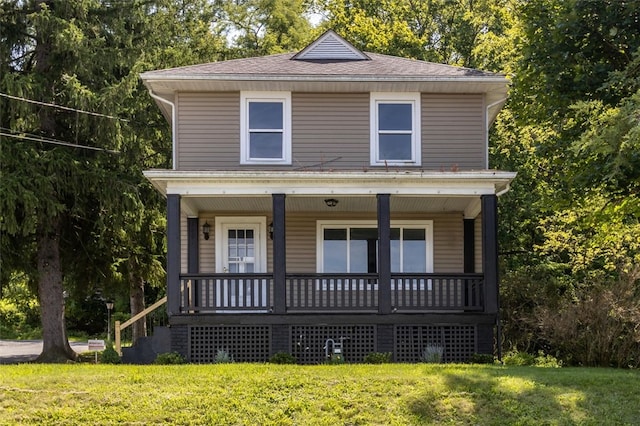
241, 249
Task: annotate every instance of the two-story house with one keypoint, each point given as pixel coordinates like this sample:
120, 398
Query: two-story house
330, 196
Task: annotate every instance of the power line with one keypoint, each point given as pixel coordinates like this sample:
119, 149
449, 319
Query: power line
55, 142
4, 95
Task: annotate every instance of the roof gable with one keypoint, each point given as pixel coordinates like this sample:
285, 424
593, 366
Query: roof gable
330, 46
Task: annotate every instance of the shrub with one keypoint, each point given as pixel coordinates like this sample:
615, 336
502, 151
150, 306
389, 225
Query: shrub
432, 354
525, 358
283, 358
109, 355
223, 357
481, 359
19, 310
168, 358
378, 358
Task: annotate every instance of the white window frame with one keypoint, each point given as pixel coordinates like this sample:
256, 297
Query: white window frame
412, 98
322, 224
245, 99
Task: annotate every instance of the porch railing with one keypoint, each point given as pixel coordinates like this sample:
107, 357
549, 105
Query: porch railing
420, 292
226, 292
332, 292
347, 293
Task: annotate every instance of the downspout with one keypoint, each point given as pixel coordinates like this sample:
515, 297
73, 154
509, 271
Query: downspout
499, 193
486, 133
505, 190
173, 126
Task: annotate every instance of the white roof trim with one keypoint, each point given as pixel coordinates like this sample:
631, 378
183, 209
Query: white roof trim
330, 46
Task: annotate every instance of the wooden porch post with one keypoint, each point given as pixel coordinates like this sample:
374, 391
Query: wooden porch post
384, 254
173, 254
193, 254
469, 246
279, 255
490, 252
193, 248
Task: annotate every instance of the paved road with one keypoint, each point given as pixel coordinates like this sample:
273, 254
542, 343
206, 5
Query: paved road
17, 351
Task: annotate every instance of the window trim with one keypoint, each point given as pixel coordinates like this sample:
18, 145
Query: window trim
411, 98
245, 99
322, 224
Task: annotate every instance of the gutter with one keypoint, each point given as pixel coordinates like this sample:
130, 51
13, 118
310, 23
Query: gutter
488, 124
173, 126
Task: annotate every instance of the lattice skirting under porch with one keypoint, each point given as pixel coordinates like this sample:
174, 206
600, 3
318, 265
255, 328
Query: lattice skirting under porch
452, 343
255, 343
243, 343
308, 341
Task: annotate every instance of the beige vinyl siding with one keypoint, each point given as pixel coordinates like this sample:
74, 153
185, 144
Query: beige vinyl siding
208, 130
478, 243
453, 132
329, 131
330, 128
207, 260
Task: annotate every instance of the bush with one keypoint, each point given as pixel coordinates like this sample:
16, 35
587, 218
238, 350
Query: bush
525, 358
283, 358
432, 354
378, 358
481, 359
168, 358
109, 355
223, 357
19, 310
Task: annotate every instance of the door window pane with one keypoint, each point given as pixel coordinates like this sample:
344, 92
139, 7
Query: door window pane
363, 250
414, 249
335, 250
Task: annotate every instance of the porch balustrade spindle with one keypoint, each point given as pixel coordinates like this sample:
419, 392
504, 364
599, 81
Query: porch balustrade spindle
226, 293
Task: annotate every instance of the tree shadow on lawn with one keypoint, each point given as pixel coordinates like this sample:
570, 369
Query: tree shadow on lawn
526, 395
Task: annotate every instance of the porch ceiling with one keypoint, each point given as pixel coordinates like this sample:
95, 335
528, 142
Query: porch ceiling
195, 205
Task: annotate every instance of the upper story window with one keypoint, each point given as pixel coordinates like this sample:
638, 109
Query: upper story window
265, 128
395, 128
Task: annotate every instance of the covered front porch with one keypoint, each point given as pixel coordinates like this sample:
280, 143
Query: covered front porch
295, 221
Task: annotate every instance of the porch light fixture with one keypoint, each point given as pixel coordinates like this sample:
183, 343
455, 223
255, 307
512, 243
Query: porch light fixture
331, 202
270, 230
206, 228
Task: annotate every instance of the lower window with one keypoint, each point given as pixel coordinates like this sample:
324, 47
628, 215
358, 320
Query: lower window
352, 247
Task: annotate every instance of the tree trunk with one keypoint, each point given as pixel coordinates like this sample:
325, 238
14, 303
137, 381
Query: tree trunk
136, 302
51, 296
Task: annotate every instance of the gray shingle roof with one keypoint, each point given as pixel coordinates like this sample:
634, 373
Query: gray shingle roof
283, 65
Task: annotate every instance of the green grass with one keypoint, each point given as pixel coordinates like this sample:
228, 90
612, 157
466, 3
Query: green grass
250, 394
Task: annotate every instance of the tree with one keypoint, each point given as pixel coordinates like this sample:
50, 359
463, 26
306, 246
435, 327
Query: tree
466, 33
73, 213
573, 137
263, 27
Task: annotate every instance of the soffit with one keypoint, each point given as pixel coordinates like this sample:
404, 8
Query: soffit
346, 204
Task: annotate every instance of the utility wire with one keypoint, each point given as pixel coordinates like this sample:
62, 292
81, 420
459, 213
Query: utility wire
55, 142
4, 95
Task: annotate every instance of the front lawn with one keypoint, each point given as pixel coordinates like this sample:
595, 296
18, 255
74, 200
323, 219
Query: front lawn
260, 394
